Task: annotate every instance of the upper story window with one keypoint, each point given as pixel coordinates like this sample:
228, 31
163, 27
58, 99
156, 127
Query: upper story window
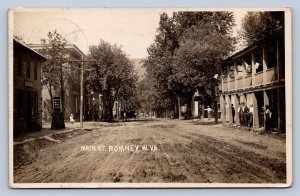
19, 67
35, 70
271, 54
258, 55
247, 64
27, 69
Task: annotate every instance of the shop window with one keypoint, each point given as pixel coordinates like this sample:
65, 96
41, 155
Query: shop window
34, 104
20, 98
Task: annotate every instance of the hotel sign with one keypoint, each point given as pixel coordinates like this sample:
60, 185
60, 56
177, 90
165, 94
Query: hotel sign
56, 103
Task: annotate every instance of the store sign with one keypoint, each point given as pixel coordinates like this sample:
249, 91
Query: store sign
56, 102
28, 83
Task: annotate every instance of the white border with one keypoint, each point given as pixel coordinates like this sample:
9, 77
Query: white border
288, 88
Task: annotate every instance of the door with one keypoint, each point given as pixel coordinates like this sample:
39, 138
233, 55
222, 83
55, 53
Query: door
28, 108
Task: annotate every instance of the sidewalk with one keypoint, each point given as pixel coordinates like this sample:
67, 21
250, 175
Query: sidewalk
47, 132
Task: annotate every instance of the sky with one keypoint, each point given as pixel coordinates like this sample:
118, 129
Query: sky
132, 29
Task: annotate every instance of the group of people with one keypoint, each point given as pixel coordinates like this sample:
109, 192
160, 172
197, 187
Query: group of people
245, 115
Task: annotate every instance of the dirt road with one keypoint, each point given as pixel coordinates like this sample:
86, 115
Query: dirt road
177, 151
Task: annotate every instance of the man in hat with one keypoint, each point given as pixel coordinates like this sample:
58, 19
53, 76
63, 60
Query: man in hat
244, 114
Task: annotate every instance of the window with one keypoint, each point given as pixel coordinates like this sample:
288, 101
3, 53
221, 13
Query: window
271, 50
20, 104
27, 69
247, 63
19, 67
259, 60
35, 69
34, 104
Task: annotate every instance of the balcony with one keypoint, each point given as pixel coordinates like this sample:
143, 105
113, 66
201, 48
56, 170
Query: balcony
271, 76
239, 83
248, 81
259, 79
225, 87
231, 85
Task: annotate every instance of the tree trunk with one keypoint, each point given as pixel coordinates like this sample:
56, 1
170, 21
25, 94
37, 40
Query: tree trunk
215, 105
62, 94
179, 107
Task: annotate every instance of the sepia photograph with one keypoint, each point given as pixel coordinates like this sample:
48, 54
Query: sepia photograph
150, 97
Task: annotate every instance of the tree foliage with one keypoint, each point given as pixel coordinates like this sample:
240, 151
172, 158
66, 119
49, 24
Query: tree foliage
111, 74
260, 25
54, 50
186, 51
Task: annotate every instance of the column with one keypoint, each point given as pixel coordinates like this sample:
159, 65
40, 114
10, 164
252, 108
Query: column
222, 80
236, 106
279, 110
266, 102
278, 62
228, 78
253, 69
255, 112
244, 74
265, 67
229, 110
222, 106
195, 108
235, 75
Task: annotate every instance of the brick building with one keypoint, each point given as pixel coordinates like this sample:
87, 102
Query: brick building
255, 76
26, 88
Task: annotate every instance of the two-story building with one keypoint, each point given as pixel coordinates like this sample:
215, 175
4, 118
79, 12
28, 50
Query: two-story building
26, 88
255, 76
71, 83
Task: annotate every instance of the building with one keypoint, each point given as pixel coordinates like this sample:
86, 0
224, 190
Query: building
72, 84
26, 88
255, 76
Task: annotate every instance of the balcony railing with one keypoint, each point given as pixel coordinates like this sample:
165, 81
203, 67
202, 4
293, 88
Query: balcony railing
225, 86
239, 83
231, 85
248, 81
259, 79
271, 75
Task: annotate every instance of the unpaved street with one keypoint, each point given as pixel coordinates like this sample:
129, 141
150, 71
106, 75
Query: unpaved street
180, 152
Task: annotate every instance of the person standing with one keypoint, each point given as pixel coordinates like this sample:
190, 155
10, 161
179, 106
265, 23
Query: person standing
239, 113
209, 110
250, 122
233, 113
268, 116
244, 114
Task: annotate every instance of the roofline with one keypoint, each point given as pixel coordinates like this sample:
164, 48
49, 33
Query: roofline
253, 46
27, 47
67, 46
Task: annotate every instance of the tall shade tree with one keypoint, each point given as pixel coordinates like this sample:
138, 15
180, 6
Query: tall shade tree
52, 74
197, 60
174, 56
257, 26
111, 74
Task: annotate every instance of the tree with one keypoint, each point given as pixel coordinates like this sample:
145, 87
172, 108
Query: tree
111, 74
186, 45
257, 26
52, 70
197, 60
